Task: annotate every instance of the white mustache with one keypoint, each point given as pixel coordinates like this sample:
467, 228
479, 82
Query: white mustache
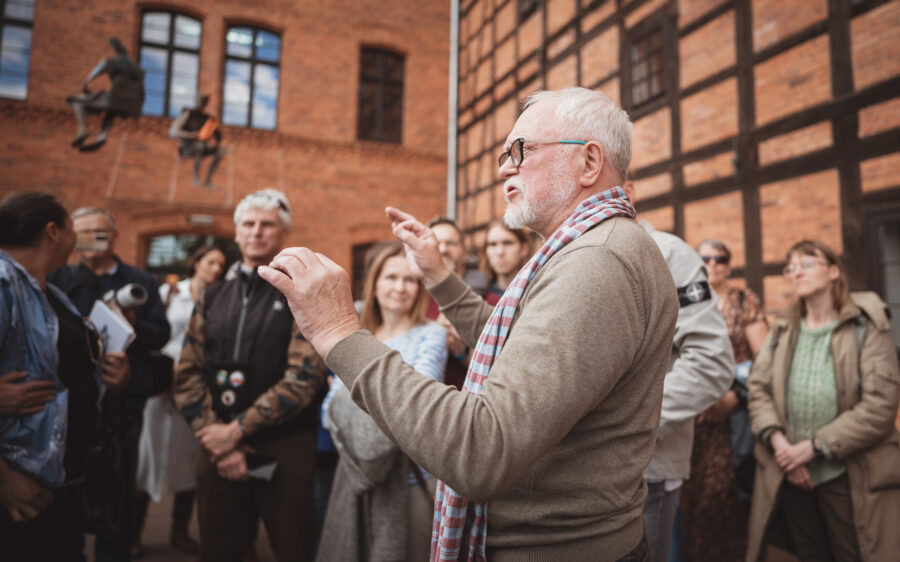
515, 183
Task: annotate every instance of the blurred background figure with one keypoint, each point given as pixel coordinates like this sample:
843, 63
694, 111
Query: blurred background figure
378, 493
505, 252
99, 271
43, 339
823, 398
715, 501
168, 446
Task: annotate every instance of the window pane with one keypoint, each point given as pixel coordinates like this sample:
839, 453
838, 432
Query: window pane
20, 9
187, 32
155, 27
237, 93
369, 63
393, 67
183, 88
639, 71
155, 65
239, 41
393, 112
15, 54
265, 96
268, 46
368, 92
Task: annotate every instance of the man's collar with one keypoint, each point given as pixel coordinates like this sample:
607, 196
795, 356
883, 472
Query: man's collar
112, 271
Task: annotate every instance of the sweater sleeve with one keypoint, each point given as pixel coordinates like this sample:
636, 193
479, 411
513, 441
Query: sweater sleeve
466, 310
702, 369
192, 396
563, 357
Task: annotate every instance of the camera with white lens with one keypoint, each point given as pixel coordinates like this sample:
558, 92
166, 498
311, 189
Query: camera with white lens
128, 297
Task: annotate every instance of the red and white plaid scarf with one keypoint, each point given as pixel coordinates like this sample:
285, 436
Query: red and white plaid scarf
456, 520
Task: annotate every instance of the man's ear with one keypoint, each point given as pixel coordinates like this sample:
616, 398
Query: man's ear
594, 163
52, 231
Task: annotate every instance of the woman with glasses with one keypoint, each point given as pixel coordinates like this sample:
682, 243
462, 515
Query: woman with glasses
715, 500
823, 397
505, 251
381, 504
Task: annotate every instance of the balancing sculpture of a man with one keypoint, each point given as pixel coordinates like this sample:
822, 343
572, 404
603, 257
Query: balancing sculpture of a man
198, 136
124, 98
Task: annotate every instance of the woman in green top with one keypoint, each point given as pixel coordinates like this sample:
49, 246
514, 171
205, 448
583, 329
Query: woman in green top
823, 396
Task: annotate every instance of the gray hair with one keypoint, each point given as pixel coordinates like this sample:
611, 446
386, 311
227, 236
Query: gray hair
265, 199
85, 211
716, 245
591, 116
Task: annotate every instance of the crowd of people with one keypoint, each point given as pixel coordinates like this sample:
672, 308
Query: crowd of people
595, 390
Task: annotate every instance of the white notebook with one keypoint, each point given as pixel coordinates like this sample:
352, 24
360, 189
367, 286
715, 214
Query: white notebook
116, 334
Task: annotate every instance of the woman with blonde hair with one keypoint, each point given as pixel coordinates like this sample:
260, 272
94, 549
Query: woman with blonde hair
823, 396
381, 503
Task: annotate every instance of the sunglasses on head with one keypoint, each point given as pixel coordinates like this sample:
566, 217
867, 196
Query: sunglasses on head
721, 260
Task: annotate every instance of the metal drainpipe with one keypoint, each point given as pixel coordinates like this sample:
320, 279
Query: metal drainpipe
452, 109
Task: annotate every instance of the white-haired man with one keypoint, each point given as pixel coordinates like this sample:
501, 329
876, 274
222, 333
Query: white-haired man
564, 388
246, 381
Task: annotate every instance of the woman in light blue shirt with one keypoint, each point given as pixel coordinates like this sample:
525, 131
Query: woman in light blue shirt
373, 477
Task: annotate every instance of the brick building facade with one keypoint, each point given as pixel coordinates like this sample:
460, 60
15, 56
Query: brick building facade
295, 117
758, 122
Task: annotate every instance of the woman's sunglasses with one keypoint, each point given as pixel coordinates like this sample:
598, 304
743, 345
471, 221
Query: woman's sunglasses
721, 260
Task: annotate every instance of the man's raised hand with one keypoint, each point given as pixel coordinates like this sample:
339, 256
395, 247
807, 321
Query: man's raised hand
420, 244
318, 293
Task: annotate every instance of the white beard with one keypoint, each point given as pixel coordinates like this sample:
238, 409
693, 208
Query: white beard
530, 213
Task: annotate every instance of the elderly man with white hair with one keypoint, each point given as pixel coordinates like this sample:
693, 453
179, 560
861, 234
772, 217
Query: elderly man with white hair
246, 382
561, 404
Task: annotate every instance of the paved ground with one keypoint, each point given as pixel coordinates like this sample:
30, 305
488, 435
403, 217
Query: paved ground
156, 540
156, 537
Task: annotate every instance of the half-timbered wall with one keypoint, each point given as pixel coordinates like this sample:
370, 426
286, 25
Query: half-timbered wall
770, 121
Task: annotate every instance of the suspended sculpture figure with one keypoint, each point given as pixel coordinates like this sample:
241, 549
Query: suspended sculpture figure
123, 99
198, 136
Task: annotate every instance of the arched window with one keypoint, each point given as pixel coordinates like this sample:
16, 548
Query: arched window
252, 58
170, 57
16, 18
380, 95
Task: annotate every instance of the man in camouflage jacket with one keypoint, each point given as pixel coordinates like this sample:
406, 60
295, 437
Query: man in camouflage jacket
247, 381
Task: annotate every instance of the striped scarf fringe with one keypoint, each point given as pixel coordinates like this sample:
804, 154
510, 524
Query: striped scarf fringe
458, 521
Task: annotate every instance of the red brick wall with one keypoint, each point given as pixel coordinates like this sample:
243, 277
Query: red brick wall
795, 143
876, 44
337, 185
794, 80
707, 50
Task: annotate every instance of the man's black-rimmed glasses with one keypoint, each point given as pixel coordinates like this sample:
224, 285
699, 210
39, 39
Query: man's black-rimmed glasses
517, 149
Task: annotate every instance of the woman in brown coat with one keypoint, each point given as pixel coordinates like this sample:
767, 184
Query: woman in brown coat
823, 396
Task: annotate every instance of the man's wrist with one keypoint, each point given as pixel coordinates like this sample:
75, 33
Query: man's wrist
237, 430
327, 339
435, 277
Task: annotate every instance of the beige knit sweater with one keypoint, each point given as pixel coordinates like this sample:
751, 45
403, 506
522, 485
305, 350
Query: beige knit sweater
557, 442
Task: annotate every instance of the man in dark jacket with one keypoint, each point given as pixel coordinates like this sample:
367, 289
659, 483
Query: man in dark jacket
99, 270
247, 381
